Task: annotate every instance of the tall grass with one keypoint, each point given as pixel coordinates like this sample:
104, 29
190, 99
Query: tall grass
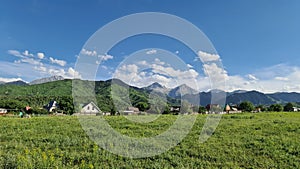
264, 140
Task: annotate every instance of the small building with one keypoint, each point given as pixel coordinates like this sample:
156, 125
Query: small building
51, 106
3, 111
90, 109
175, 109
213, 108
131, 111
295, 109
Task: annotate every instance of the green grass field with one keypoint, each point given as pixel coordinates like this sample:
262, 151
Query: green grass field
264, 140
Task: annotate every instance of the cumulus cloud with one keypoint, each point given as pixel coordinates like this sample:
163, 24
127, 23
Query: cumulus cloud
27, 57
189, 66
73, 73
105, 57
282, 78
214, 71
143, 73
251, 77
158, 61
26, 53
41, 68
151, 52
207, 57
14, 53
70, 73
59, 62
30, 61
40, 55
88, 52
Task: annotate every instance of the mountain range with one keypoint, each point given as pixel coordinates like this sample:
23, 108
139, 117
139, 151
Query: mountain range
183, 91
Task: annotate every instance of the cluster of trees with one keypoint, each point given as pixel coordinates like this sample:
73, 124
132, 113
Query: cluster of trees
37, 103
247, 106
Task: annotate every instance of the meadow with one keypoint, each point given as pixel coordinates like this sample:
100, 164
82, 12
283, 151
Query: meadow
260, 140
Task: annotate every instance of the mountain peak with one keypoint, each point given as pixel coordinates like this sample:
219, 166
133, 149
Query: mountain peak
155, 85
182, 90
17, 83
46, 80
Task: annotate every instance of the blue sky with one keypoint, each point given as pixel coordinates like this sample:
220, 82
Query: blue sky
257, 41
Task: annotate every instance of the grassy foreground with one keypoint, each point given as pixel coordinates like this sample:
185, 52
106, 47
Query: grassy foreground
264, 140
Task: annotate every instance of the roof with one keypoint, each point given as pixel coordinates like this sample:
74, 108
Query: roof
92, 103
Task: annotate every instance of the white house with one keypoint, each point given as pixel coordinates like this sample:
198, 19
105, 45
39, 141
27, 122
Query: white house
51, 106
296, 109
131, 111
3, 111
90, 109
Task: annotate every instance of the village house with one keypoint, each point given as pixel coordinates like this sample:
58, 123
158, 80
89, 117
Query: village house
51, 106
90, 109
3, 111
175, 109
213, 108
295, 109
131, 111
231, 109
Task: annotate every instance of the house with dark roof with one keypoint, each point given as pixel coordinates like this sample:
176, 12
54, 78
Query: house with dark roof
51, 106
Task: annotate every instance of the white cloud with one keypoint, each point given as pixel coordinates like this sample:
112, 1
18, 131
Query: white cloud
214, 71
14, 53
189, 66
251, 77
26, 53
88, 52
105, 57
40, 55
146, 72
158, 61
27, 57
151, 52
6, 80
40, 68
30, 61
207, 57
59, 62
282, 78
17, 61
72, 74
143, 63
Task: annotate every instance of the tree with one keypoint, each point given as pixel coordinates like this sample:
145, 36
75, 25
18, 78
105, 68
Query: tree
276, 107
142, 106
185, 107
167, 109
202, 110
289, 107
246, 106
66, 105
261, 107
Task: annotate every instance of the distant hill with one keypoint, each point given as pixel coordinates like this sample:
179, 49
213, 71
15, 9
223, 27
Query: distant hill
17, 83
181, 91
285, 97
157, 87
42, 91
46, 80
253, 96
